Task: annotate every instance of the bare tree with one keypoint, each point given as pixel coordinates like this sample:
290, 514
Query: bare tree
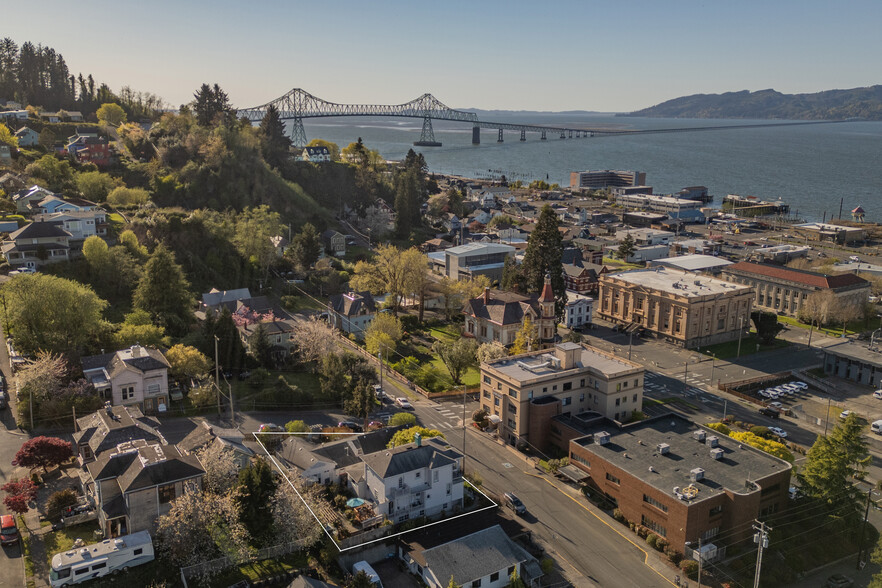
291, 519
315, 339
221, 471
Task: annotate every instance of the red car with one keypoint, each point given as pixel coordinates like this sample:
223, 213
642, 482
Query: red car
8, 530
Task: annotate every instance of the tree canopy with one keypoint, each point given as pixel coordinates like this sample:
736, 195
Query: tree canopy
406, 436
164, 292
543, 256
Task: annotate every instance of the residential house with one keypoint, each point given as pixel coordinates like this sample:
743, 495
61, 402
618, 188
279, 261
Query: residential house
217, 299
334, 242
5, 153
379, 217
280, 244
24, 199
434, 245
104, 429
80, 225
583, 278
90, 150
207, 435
53, 203
134, 376
135, 483
485, 558
497, 315
14, 114
27, 137
452, 223
10, 183
784, 290
418, 479
577, 312
278, 333
315, 154
37, 244
352, 312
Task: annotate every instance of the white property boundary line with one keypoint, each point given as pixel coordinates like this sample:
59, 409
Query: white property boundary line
323, 525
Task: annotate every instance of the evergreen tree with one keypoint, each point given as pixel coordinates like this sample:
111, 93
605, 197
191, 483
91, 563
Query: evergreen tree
254, 497
543, 256
512, 278
211, 106
627, 247
261, 348
230, 351
163, 291
361, 401
305, 248
274, 144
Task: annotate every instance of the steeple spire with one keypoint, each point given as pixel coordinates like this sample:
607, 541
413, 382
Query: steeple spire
547, 292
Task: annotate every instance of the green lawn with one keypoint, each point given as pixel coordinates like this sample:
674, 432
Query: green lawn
63, 539
749, 345
307, 382
296, 303
355, 253
851, 328
116, 222
267, 568
618, 264
446, 333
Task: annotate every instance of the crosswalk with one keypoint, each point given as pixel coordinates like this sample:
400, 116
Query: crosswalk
452, 413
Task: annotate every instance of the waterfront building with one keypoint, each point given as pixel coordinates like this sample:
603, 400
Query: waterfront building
784, 290
753, 206
523, 392
827, 232
680, 307
664, 204
606, 178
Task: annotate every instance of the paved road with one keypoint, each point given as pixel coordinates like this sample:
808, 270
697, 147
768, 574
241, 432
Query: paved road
11, 565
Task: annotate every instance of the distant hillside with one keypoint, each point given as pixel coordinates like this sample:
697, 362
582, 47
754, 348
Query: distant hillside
864, 103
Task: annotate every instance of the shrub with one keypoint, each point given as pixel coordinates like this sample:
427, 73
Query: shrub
259, 378
661, 544
58, 501
760, 431
651, 540
642, 531
719, 428
674, 556
619, 516
690, 568
547, 565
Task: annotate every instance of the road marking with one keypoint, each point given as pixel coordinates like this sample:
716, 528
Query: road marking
507, 465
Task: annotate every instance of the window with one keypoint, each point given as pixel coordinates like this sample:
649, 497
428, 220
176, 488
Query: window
654, 526
511, 570
710, 534
582, 383
567, 386
499, 385
81, 571
511, 424
716, 510
582, 397
166, 493
567, 401
449, 487
495, 402
619, 387
653, 502
418, 475
634, 398
512, 408
476, 583
486, 379
618, 401
99, 566
401, 482
636, 382
138, 551
128, 392
494, 576
553, 388
486, 393
580, 459
512, 392
612, 478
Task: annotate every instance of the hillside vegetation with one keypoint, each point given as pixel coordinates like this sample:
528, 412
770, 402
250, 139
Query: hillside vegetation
864, 103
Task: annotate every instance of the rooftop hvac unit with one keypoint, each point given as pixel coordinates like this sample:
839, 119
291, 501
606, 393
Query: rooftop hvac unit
712, 441
601, 438
696, 474
699, 435
663, 448
717, 453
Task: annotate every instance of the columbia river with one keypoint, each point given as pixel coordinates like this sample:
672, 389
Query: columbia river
808, 166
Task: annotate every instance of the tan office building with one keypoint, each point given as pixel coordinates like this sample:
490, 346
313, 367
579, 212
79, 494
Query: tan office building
681, 307
525, 391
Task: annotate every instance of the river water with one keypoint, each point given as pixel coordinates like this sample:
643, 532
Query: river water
811, 167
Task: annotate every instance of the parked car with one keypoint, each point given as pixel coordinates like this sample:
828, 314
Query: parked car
844, 414
778, 432
770, 412
270, 428
839, 581
8, 530
380, 393
854, 258
351, 425
514, 503
800, 384
404, 403
877, 394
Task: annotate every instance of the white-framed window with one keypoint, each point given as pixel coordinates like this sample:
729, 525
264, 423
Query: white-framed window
128, 392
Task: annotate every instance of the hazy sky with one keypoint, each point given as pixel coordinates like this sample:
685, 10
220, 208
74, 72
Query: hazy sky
609, 55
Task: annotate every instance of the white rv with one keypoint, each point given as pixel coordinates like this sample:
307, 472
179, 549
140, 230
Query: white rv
363, 566
94, 561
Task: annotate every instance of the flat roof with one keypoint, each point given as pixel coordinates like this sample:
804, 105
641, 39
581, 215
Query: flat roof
542, 365
680, 283
480, 249
856, 350
692, 262
826, 227
634, 449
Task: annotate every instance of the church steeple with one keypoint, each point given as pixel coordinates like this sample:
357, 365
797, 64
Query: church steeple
546, 300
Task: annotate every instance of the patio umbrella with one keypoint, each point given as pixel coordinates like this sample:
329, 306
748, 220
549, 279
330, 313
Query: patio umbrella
354, 502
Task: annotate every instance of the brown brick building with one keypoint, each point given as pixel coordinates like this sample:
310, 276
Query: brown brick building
682, 480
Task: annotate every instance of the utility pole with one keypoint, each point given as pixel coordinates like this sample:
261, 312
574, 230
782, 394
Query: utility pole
217, 376
463, 429
827, 420
860, 562
232, 407
761, 538
685, 371
713, 367
380, 361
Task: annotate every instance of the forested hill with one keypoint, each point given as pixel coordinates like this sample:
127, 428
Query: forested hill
864, 103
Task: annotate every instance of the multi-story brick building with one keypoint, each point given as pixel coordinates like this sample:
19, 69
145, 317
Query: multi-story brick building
680, 307
525, 391
784, 290
681, 480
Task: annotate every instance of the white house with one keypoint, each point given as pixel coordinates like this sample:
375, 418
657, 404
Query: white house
53, 203
419, 479
134, 376
352, 312
577, 312
15, 114
29, 197
27, 137
486, 558
80, 224
315, 154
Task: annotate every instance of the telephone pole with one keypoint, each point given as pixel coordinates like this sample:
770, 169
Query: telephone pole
860, 562
761, 538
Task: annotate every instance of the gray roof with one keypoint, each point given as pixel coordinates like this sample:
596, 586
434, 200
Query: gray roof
102, 430
116, 362
634, 449
216, 297
351, 303
158, 464
433, 453
504, 308
474, 556
39, 230
343, 453
858, 351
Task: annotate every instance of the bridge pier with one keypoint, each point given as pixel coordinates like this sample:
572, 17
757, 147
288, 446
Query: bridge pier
571, 134
476, 135
427, 137
563, 135
523, 134
542, 138
499, 140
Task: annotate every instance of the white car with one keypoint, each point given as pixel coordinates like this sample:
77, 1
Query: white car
778, 432
777, 405
854, 258
844, 414
773, 393
877, 394
404, 403
800, 384
763, 393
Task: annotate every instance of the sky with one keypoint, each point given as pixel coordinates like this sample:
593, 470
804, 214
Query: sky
608, 55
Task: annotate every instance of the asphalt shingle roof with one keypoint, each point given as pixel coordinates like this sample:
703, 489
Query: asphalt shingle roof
407, 458
804, 277
474, 556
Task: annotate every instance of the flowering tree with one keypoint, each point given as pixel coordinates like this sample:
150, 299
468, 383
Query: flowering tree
18, 494
245, 316
43, 452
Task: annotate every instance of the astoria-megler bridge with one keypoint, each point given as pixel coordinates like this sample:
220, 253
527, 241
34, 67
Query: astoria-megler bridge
297, 105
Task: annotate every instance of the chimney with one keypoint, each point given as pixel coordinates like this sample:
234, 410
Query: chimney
486, 295
418, 439
136, 351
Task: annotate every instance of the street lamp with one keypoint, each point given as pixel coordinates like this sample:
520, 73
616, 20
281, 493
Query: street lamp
713, 366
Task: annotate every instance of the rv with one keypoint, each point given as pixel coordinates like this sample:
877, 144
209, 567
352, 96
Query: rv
363, 566
94, 561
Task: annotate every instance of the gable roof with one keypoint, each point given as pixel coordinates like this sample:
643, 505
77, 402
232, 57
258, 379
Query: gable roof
474, 556
39, 230
216, 297
804, 277
351, 303
407, 458
158, 464
143, 359
503, 308
106, 428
